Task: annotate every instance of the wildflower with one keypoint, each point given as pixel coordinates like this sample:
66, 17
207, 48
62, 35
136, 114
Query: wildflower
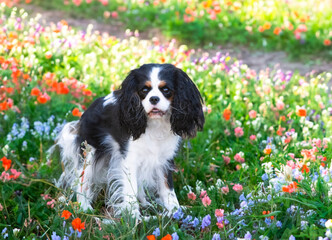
280, 105
203, 193
206, 200
43, 98
328, 223
206, 221
252, 137
35, 92
77, 224
290, 188
55, 237
151, 237
252, 114
291, 237
191, 196
237, 188
279, 224
267, 26
48, 55
219, 212
195, 222
301, 112
305, 169
156, 232
178, 214
216, 236
167, 237
277, 31
14, 174
1, 207
238, 132
6, 163
327, 42
239, 157
226, 159
265, 177
267, 151
227, 114
175, 236
225, 190
76, 112
66, 214
247, 236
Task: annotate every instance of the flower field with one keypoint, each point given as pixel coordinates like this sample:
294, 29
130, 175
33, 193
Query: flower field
261, 169
299, 27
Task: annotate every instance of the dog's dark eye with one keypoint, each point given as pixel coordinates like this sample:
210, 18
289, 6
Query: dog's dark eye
145, 90
165, 90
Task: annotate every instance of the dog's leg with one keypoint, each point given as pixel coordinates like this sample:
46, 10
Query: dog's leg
167, 194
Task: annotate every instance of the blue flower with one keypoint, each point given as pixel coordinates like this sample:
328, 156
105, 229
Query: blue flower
248, 236
216, 236
268, 221
79, 234
279, 224
206, 221
195, 222
178, 214
55, 237
3, 231
291, 237
265, 177
175, 236
156, 232
187, 219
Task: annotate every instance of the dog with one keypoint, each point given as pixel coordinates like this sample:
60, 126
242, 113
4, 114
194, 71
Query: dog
130, 139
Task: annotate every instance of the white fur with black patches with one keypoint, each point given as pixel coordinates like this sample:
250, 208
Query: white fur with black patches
134, 134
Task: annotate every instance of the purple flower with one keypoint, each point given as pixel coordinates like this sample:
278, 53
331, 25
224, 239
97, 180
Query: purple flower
265, 177
55, 237
248, 236
156, 232
291, 237
175, 236
195, 222
279, 224
206, 221
178, 214
216, 236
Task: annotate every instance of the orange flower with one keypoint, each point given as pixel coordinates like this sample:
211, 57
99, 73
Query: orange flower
43, 98
76, 112
305, 168
167, 237
267, 151
277, 31
66, 214
151, 237
77, 224
6, 163
35, 92
48, 55
301, 112
261, 29
267, 26
290, 188
227, 114
327, 42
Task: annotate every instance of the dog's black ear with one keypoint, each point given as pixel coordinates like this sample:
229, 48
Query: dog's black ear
132, 114
187, 113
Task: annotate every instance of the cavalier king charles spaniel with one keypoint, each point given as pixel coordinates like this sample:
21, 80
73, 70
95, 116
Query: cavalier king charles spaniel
131, 137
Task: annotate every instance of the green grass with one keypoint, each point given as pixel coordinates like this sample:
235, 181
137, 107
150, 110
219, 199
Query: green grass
52, 59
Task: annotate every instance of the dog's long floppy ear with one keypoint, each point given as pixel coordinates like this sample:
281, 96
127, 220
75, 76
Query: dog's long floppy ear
187, 114
132, 114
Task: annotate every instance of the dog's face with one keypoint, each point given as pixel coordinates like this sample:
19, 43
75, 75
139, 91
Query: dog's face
157, 90
157, 93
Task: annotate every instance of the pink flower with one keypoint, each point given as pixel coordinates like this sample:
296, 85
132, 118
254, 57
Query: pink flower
220, 225
46, 196
77, 2
291, 164
252, 137
226, 159
238, 157
237, 188
203, 193
15, 174
219, 213
191, 196
292, 155
227, 132
4, 176
238, 132
238, 167
225, 190
114, 14
1, 207
104, 2
206, 200
252, 114
88, 1
280, 105
51, 203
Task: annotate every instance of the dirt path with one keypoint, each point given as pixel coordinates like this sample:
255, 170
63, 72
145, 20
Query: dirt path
256, 60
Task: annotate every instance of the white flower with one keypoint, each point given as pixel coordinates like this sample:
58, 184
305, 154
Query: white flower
328, 223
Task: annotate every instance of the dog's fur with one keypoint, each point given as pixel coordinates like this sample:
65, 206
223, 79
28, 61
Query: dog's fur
133, 135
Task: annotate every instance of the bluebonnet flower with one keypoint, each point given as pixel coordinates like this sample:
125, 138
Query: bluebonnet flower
55, 237
247, 236
175, 236
156, 232
206, 221
178, 214
291, 237
268, 221
265, 177
242, 197
279, 224
195, 222
216, 236
187, 219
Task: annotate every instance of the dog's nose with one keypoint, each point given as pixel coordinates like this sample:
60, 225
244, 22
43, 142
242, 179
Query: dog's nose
154, 100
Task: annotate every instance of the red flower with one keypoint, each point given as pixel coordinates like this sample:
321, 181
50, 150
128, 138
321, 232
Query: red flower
327, 42
76, 112
66, 214
35, 92
227, 114
167, 237
151, 237
301, 112
43, 98
77, 224
6, 163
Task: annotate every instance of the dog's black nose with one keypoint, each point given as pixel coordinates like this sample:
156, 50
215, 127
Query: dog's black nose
154, 100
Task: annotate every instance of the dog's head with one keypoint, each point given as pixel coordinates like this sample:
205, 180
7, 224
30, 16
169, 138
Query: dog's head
156, 91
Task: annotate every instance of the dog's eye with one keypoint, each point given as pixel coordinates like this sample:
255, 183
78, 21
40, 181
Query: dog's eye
165, 90
145, 90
